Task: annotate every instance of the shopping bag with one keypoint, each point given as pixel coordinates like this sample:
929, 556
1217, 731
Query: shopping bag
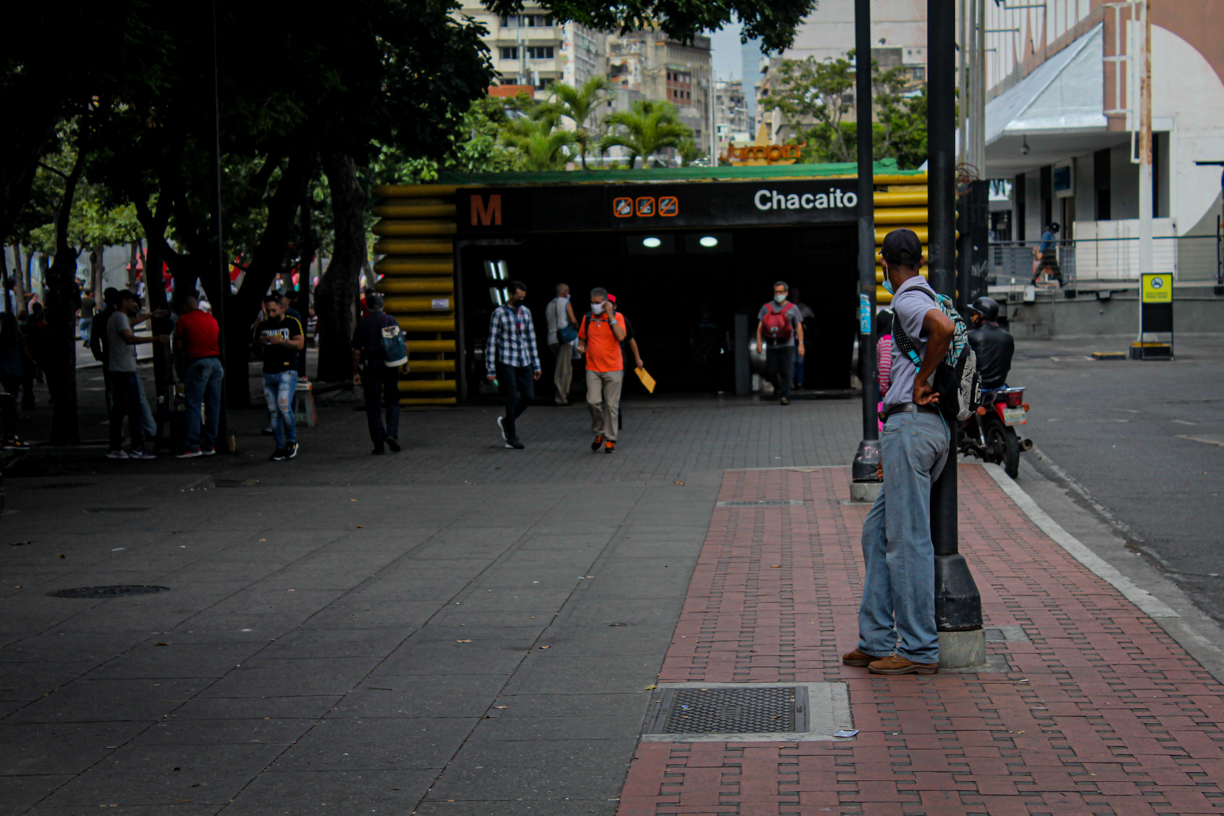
646, 379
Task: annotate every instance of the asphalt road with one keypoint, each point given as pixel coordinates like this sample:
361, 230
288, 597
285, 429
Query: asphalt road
1140, 443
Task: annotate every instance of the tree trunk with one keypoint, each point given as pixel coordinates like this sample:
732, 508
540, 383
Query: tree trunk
63, 301
21, 284
338, 290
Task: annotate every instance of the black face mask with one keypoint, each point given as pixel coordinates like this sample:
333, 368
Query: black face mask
515, 302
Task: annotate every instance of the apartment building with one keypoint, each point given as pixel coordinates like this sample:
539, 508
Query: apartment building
658, 67
532, 49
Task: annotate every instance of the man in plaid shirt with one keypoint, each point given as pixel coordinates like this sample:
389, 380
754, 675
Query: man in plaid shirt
512, 359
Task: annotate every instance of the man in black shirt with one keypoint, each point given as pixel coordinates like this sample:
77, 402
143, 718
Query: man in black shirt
379, 381
281, 338
992, 344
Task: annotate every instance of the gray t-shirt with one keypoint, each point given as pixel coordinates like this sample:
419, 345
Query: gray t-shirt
120, 355
792, 314
557, 317
910, 305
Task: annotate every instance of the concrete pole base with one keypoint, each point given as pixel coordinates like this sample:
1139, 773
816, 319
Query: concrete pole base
865, 492
962, 650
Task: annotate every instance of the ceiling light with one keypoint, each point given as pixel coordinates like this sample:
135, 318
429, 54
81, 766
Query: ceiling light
1024, 148
652, 243
708, 241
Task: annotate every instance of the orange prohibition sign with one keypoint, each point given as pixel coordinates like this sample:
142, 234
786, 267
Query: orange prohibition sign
622, 207
645, 206
669, 206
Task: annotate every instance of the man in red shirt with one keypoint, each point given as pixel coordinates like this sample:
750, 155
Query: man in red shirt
195, 340
600, 338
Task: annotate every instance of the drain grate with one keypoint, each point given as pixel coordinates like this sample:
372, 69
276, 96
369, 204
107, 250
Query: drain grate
769, 503
758, 710
107, 591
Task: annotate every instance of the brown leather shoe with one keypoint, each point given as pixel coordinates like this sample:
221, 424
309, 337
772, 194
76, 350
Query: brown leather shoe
857, 658
895, 664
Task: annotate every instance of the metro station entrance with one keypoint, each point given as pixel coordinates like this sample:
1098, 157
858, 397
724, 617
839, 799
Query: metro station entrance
691, 254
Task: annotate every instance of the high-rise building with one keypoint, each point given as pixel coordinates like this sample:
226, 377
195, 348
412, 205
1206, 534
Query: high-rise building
750, 66
533, 49
661, 68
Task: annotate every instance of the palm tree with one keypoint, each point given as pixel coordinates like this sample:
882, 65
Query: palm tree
539, 141
577, 104
648, 127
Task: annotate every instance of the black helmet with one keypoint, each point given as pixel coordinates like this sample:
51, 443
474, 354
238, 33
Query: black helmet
987, 308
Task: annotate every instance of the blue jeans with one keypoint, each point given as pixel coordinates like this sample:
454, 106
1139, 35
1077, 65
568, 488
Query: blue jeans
278, 393
202, 386
899, 585
125, 390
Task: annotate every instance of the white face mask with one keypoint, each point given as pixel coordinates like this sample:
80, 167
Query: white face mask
597, 308
780, 299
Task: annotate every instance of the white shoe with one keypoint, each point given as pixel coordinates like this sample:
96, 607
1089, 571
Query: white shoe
116, 454
503, 429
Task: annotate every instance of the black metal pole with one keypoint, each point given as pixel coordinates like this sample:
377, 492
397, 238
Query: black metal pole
867, 457
958, 605
219, 262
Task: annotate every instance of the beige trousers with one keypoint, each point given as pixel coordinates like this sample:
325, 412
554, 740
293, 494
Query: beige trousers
603, 399
563, 370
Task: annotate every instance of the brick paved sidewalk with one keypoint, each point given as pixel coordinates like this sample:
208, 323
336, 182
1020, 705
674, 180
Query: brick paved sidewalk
1098, 712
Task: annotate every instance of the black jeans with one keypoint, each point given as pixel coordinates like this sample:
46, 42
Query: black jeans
517, 385
125, 400
779, 365
380, 384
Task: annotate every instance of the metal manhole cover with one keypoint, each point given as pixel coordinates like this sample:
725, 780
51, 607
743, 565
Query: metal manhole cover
762, 710
107, 591
116, 509
768, 503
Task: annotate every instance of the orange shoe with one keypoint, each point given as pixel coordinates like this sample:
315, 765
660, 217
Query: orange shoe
598, 443
609, 447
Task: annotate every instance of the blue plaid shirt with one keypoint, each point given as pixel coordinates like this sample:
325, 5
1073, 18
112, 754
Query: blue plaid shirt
512, 340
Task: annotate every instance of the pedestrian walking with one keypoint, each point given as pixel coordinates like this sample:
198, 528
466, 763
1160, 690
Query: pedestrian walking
778, 327
807, 318
377, 375
629, 351
121, 369
897, 632
561, 323
512, 359
281, 338
600, 338
196, 342
1045, 255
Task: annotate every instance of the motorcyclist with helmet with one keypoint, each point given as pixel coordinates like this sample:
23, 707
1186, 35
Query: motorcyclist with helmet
992, 344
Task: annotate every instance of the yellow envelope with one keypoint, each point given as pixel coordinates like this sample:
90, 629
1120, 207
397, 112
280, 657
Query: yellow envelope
646, 379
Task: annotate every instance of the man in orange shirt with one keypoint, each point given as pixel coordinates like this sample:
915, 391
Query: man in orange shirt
600, 338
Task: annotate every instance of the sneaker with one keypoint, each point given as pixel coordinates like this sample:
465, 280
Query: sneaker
379, 451
896, 664
208, 451
116, 454
502, 428
598, 443
784, 401
393, 444
190, 454
291, 451
15, 444
141, 453
280, 455
858, 658
515, 443
609, 447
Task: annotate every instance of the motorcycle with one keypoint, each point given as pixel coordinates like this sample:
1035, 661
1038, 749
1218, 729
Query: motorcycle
990, 434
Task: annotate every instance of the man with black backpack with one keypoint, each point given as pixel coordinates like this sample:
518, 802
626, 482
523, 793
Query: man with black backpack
778, 325
377, 336
897, 632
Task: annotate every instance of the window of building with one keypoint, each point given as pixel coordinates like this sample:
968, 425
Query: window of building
539, 52
509, 52
543, 83
510, 21
918, 72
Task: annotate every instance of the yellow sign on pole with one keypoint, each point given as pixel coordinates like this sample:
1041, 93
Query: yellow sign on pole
1157, 287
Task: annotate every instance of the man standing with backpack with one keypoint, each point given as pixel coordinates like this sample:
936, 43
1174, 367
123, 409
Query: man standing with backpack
379, 374
897, 633
779, 325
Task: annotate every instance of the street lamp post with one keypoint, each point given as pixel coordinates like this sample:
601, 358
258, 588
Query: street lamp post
864, 484
958, 605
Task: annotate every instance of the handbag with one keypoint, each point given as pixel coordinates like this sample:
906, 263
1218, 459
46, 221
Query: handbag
567, 333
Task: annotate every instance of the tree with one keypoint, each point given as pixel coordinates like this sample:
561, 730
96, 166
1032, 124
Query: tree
648, 127
815, 97
538, 140
577, 105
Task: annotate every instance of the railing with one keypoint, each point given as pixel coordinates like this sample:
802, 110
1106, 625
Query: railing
1091, 261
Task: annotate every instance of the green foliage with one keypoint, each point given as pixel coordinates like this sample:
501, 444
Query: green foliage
577, 105
645, 129
815, 98
538, 140
774, 21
